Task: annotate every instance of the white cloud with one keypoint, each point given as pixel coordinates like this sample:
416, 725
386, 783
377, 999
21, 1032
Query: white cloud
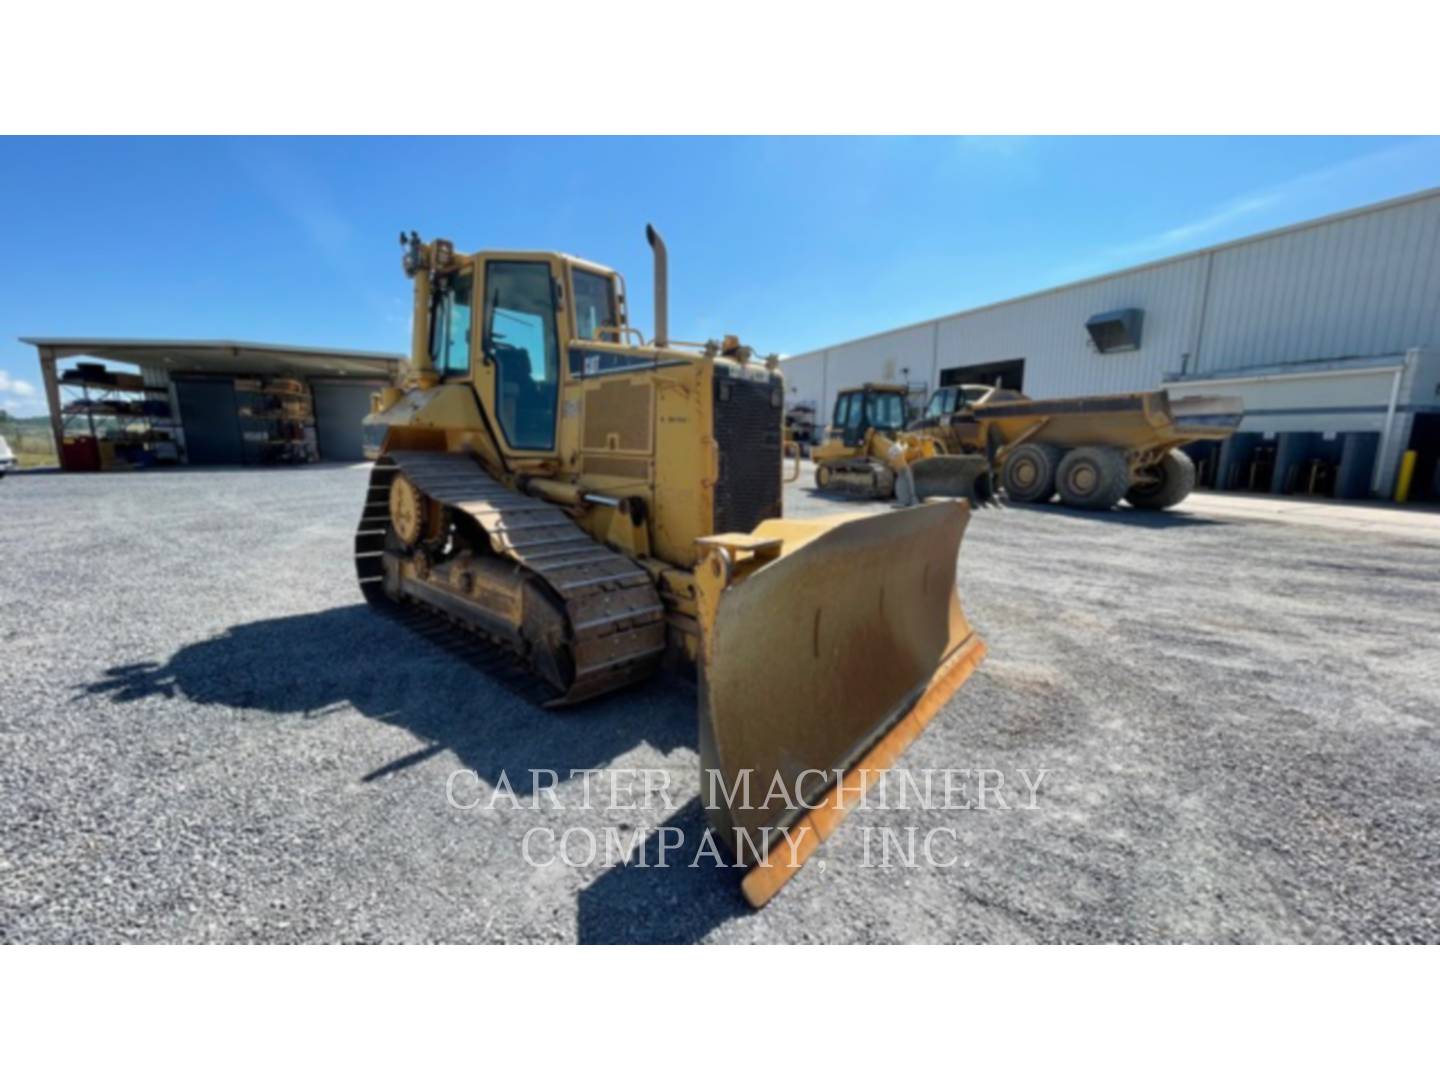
1304, 190
1351, 182
18, 387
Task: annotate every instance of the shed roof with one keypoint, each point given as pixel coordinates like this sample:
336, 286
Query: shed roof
225, 357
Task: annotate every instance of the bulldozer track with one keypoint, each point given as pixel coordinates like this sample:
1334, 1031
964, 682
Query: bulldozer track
615, 615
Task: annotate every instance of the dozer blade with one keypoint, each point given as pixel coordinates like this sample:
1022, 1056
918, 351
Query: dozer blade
954, 476
827, 647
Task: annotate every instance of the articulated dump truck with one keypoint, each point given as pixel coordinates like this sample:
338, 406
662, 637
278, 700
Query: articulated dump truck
1091, 451
548, 480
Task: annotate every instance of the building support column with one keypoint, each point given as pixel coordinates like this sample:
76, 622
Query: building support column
1291, 450
1384, 477
51, 380
1357, 459
1232, 451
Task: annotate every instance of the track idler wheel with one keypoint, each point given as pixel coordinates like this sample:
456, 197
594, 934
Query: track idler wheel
409, 511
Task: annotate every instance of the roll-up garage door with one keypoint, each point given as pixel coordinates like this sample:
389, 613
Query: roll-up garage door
208, 414
339, 409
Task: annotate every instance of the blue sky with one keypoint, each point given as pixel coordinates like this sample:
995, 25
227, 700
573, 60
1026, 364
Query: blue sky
792, 243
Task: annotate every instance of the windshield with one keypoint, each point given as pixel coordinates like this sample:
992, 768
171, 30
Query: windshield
886, 411
941, 403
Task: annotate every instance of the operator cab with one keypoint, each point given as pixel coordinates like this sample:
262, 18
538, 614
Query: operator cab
532, 308
953, 399
869, 406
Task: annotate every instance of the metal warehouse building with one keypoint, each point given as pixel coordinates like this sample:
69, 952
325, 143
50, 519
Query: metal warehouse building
1328, 330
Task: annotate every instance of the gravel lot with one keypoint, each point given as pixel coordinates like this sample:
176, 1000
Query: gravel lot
205, 736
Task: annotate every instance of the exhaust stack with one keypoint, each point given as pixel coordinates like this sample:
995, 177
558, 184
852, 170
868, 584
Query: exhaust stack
662, 287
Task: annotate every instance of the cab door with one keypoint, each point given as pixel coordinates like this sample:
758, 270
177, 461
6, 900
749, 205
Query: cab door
518, 341
849, 420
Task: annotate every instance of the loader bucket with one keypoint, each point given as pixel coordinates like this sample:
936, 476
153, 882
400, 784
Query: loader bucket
954, 476
827, 647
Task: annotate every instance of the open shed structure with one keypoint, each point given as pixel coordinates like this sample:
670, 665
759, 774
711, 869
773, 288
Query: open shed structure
206, 402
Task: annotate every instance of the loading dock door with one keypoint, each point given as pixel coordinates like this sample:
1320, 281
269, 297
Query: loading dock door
212, 426
339, 409
1009, 374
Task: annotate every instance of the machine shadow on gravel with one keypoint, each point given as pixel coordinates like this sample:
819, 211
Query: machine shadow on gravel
652, 900
302, 666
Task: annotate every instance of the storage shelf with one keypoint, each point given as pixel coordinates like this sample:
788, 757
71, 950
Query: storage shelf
105, 425
273, 430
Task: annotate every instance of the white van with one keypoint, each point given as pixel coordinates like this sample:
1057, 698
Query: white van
7, 459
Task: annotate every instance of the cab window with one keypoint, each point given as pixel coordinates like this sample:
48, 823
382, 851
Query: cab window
886, 411
942, 402
450, 325
594, 305
520, 341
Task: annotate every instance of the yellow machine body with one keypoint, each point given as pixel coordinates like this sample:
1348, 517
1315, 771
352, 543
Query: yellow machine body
1093, 451
590, 500
867, 453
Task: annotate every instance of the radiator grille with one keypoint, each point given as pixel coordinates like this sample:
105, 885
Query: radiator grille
748, 418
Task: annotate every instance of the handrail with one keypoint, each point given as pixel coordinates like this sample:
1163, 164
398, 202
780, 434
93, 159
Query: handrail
618, 331
785, 447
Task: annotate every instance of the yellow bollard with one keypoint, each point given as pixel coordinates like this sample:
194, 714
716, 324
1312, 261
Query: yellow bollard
1407, 473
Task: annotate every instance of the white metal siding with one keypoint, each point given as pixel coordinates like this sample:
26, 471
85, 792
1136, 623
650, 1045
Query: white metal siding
1049, 332
882, 359
805, 380
1360, 285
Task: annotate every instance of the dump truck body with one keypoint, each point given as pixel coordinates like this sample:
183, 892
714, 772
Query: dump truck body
591, 502
1092, 451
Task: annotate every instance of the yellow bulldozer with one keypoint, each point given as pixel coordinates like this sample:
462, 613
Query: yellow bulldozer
593, 502
869, 454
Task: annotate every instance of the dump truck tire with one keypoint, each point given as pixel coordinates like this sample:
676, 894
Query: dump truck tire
1092, 477
1029, 472
1175, 479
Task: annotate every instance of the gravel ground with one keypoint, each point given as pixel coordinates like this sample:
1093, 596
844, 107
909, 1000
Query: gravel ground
204, 736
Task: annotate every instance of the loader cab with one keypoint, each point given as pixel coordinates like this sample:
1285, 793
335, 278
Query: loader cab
869, 406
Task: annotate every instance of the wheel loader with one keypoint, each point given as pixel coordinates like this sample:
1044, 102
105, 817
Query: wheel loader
868, 454
593, 503
1091, 451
